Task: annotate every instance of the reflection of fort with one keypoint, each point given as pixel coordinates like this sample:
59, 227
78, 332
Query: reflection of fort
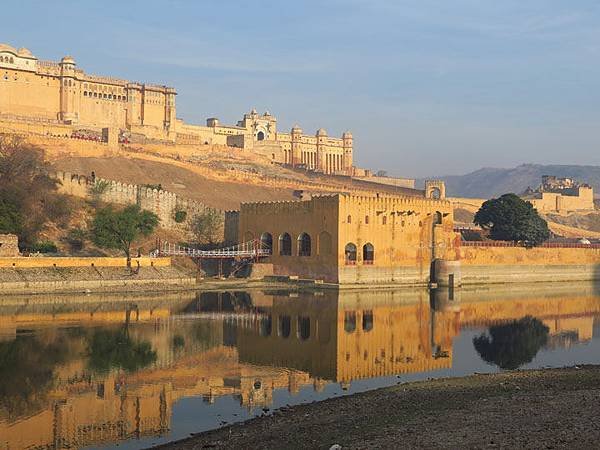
253, 345
342, 336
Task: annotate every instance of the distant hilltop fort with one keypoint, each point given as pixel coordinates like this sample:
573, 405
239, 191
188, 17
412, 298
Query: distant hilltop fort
60, 96
557, 194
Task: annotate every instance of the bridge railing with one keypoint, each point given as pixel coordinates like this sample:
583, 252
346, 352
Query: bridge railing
250, 249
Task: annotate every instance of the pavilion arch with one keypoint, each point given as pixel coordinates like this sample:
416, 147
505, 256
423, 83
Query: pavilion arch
284, 326
266, 240
303, 329
324, 243
350, 253
285, 244
368, 253
349, 321
367, 320
266, 325
304, 244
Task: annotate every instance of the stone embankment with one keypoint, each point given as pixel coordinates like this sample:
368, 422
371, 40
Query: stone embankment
554, 408
46, 274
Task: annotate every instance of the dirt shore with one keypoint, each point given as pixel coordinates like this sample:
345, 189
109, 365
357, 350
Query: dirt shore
553, 408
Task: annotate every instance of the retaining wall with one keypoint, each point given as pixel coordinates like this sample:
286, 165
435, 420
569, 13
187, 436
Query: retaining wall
64, 262
483, 265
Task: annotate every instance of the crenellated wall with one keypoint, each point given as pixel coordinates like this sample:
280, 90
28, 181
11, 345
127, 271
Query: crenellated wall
162, 203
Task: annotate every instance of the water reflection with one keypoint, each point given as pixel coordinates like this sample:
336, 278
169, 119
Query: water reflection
514, 344
99, 370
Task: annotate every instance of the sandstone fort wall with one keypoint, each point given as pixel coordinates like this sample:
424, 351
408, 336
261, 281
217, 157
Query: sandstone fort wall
162, 203
483, 265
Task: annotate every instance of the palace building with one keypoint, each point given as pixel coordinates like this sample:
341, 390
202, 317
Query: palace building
59, 97
347, 239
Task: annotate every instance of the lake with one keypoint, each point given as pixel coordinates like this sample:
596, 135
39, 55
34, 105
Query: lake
100, 371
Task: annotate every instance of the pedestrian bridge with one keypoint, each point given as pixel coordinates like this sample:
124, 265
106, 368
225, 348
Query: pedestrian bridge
254, 249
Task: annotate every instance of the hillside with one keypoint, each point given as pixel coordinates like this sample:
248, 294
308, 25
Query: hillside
492, 182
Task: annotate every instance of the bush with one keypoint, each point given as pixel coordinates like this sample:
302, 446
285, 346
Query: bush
99, 188
179, 216
207, 226
158, 186
76, 238
44, 247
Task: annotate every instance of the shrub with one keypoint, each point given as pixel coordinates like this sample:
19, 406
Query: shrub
44, 247
179, 216
76, 238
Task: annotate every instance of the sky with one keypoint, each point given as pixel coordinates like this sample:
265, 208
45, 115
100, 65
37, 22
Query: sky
427, 87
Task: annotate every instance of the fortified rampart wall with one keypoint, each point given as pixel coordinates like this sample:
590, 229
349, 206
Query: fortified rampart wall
485, 265
162, 203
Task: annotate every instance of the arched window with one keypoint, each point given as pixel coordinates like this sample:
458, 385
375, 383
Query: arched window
304, 245
350, 252
324, 243
267, 242
349, 321
366, 219
367, 320
437, 218
384, 220
284, 326
303, 328
260, 136
436, 193
368, 253
349, 219
285, 244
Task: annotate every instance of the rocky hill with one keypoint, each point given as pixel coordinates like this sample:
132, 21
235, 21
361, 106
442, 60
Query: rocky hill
492, 182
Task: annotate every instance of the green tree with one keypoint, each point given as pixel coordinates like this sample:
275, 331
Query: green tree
118, 229
512, 345
207, 226
510, 218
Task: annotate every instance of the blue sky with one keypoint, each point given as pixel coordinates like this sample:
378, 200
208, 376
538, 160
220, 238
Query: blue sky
428, 87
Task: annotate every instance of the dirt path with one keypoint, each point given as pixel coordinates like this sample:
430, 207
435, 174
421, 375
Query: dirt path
556, 408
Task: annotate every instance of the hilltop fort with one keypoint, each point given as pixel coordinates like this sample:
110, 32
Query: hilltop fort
60, 98
561, 194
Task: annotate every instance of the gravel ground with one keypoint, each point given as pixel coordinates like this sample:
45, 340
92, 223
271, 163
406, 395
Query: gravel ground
553, 408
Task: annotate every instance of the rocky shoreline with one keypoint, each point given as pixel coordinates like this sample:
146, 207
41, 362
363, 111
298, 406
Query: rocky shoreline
552, 408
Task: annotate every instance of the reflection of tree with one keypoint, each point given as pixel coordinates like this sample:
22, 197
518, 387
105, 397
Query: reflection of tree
115, 349
27, 371
512, 345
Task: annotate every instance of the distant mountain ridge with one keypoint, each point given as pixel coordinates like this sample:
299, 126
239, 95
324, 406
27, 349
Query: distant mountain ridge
492, 182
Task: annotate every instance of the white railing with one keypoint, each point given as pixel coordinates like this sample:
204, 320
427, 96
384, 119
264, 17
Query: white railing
251, 249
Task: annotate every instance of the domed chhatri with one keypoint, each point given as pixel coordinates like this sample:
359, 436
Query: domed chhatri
25, 52
67, 60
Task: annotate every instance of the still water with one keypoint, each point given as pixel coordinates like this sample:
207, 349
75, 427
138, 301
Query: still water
130, 371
